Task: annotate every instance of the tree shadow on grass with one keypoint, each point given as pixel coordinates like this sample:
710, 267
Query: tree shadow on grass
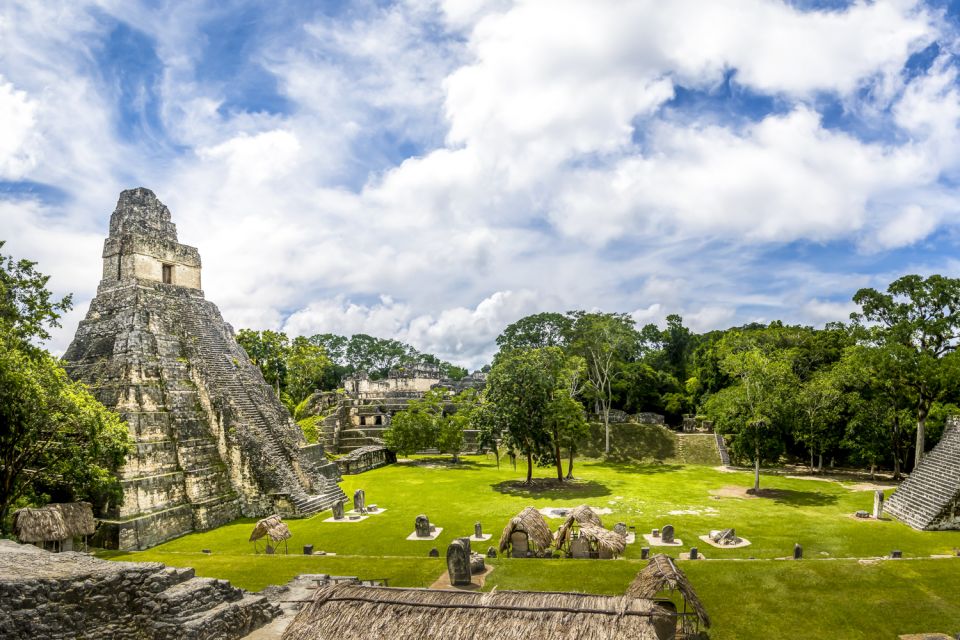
797, 498
438, 463
635, 467
551, 488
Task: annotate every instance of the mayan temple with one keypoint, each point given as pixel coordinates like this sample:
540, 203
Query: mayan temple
930, 497
213, 443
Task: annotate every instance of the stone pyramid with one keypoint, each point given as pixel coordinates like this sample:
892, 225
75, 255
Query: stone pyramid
930, 497
212, 440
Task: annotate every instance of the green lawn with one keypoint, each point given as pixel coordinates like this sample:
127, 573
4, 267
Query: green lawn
818, 597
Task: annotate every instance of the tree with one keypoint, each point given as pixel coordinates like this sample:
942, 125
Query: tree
55, 438
820, 401
603, 340
879, 400
410, 431
536, 331
753, 409
26, 306
307, 365
520, 390
268, 350
920, 318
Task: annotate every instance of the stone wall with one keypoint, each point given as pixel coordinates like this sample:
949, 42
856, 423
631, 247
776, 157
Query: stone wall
74, 595
364, 459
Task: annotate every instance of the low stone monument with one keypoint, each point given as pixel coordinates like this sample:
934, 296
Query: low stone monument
491, 552
359, 501
580, 547
477, 530
666, 534
620, 528
862, 514
896, 554
519, 544
655, 533
878, 504
644, 553
338, 511
422, 526
797, 552
434, 553
477, 564
694, 553
458, 562
725, 536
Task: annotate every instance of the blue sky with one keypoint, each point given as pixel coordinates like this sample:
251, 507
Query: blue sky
435, 170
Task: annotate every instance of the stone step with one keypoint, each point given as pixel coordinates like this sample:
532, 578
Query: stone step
228, 620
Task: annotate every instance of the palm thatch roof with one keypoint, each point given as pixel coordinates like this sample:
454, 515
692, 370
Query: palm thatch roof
272, 526
77, 516
39, 525
604, 538
531, 522
662, 574
580, 515
349, 611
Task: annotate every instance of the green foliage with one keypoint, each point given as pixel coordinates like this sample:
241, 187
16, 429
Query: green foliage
536, 331
918, 320
755, 410
27, 309
436, 421
311, 428
268, 350
306, 366
529, 403
56, 440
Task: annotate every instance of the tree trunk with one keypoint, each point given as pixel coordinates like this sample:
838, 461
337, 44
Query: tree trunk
811, 459
756, 472
559, 461
923, 409
606, 429
820, 463
570, 464
529, 467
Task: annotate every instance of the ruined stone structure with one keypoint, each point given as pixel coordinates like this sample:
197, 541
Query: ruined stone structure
212, 441
74, 595
358, 417
930, 497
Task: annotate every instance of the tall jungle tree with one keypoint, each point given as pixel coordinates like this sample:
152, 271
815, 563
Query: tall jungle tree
918, 319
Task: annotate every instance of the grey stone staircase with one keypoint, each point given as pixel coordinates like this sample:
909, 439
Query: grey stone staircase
722, 448
236, 383
930, 497
206, 608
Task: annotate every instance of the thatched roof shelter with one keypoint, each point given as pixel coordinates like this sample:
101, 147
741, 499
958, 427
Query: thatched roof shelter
531, 522
39, 525
77, 516
580, 515
604, 539
273, 527
663, 574
349, 611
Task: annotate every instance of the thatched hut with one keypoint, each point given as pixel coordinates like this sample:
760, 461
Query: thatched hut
579, 516
272, 527
56, 526
349, 611
663, 575
527, 534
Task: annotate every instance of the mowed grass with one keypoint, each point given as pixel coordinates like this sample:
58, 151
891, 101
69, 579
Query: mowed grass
821, 596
